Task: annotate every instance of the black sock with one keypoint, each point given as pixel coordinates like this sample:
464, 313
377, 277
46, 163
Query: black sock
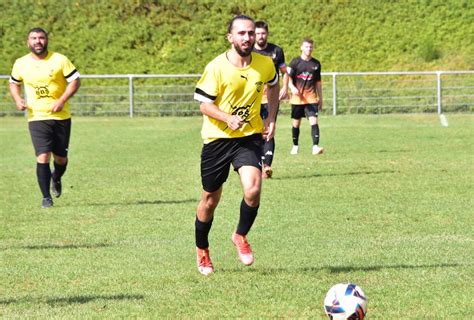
58, 171
43, 173
268, 149
247, 218
202, 233
296, 134
315, 133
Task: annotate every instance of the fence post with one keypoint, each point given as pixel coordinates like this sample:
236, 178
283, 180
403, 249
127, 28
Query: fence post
438, 80
334, 95
130, 92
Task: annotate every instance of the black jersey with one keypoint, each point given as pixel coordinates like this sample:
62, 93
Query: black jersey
276, 53
304, 75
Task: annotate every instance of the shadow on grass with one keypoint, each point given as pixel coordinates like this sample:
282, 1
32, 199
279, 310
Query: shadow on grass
59, 246
72, 300
87, 299
314, 175
140, 202
340, 269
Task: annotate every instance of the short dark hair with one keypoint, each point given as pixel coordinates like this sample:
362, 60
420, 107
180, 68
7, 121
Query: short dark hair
308, 40
38, 30
238, 17
261, 24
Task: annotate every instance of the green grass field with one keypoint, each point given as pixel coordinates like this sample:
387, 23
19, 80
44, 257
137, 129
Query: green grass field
388, 206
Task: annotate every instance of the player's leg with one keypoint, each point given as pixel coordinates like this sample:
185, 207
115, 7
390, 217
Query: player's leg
268, 147
62, 133
312, 114
41, 133
297, 112
247, 164
215, 166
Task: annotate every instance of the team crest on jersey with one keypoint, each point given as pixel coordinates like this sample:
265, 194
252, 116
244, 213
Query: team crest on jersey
259, 86
42, 92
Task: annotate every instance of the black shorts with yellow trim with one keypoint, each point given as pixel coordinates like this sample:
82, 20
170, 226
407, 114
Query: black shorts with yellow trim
218, 155
50, 136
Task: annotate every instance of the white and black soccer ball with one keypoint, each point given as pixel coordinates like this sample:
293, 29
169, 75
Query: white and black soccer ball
345, 301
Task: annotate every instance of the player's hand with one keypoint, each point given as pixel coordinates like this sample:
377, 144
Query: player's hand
235, 122
320, 105
283, 93
269, 130
57, 106
21, 105
294, 91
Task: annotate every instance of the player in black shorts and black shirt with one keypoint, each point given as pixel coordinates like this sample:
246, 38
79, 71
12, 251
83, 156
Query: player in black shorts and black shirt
278, 57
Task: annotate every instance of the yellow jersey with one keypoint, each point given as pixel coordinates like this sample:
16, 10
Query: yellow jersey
45, 80
237, 91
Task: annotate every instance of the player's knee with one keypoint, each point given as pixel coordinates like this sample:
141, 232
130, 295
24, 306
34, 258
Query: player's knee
43, 157
252, 195
211, 202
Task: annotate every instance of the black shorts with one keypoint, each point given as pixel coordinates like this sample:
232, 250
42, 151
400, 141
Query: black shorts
50, 136
298, 111
216, 157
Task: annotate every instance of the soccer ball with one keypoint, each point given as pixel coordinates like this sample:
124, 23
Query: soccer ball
345, 301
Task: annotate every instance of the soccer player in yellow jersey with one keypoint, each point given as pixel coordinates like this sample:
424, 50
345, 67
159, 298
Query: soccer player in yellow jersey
230, 92
50, 80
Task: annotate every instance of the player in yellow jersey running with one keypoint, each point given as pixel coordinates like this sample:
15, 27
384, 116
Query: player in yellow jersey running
230, 93
50, 80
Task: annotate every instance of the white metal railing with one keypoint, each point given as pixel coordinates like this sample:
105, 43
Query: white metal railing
349, 92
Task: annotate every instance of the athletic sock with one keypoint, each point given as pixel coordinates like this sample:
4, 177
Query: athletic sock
247, 218
268, 149
58, 171
202, 233
315, 133
296, 134
43, 173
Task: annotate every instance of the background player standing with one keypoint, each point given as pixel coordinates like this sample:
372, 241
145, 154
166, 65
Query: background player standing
230, 92
307, 96
276, 53
50, 80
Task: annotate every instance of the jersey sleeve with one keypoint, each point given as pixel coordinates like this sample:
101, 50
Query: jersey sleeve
15, 76
281, 59
207, 87
317, 76
69, 70
292, 68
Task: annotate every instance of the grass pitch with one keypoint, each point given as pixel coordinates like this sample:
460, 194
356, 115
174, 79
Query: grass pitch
387, 206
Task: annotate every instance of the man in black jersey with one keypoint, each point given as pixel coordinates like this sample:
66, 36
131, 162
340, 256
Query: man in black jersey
278, 57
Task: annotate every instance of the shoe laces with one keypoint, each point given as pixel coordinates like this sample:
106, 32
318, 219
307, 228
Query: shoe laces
243, 245
204, 259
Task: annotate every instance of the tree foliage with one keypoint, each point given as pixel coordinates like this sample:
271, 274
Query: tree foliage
181, 36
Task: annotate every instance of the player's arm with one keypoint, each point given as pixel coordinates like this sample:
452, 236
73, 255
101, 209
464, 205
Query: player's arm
71, 89
273, 103
288, 80
209, 109
284, 87
15, 91
319, 89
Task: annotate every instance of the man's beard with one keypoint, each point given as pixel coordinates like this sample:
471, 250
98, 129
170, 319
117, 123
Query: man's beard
262, 43
244, 52
39, 52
